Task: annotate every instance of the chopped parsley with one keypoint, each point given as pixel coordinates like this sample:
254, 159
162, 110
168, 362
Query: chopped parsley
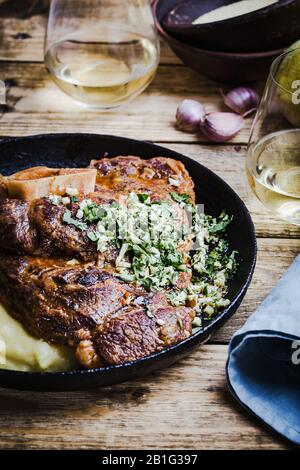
177, 298
181, 198
150, 237
218, 225
180, 323
68, 219
143, 197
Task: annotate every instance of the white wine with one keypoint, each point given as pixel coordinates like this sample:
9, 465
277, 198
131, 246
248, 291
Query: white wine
102, 74
273, 168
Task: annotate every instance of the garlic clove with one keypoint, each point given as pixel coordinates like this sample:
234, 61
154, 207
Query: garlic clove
221, 127
190, 114
242, 100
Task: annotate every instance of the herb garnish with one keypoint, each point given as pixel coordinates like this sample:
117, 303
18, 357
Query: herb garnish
181, 198
68, 219
149, 235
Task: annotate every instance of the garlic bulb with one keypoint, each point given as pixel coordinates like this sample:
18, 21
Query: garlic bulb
221, 127
190, 114
242, 100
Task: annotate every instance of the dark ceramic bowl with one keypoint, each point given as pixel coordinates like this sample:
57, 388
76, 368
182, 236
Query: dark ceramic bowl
76, 150
272, 27
220, 66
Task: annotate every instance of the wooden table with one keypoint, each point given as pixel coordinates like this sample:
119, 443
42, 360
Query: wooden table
188, 405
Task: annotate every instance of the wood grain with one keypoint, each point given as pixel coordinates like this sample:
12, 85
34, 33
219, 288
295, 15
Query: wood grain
229, 163
184, 407
274, 257
36, 105
22, 40
274, 254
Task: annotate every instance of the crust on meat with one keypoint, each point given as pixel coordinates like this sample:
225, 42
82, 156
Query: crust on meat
83, 304
158, 176
130, 334
38, 182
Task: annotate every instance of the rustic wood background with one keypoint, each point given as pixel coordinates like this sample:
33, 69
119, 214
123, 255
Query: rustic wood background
188, 405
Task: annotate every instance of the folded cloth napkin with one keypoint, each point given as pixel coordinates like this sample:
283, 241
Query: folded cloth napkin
263, 367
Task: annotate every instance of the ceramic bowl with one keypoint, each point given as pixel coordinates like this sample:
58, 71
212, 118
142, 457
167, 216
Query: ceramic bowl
226, 67
273, 27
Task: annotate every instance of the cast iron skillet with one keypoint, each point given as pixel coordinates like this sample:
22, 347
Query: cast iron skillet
76, 150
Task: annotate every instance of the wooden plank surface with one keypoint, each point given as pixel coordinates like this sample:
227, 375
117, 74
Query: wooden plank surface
229, 163
186, 406
22, 40
36, 105
274, 257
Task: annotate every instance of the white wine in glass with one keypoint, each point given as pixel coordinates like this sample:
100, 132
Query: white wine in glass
273, 162
105, 58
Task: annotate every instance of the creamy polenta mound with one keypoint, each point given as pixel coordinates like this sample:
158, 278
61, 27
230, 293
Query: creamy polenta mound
21, 351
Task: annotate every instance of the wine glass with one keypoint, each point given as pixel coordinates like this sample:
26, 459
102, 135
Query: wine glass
101, 52
273, 160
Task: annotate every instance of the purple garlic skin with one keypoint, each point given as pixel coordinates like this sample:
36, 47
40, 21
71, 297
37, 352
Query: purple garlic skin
190, 114
242, 100
221, 127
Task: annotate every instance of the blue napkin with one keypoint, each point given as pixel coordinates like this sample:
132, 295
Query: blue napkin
263, 367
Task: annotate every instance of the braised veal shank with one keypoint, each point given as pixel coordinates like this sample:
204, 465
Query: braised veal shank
52, 282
